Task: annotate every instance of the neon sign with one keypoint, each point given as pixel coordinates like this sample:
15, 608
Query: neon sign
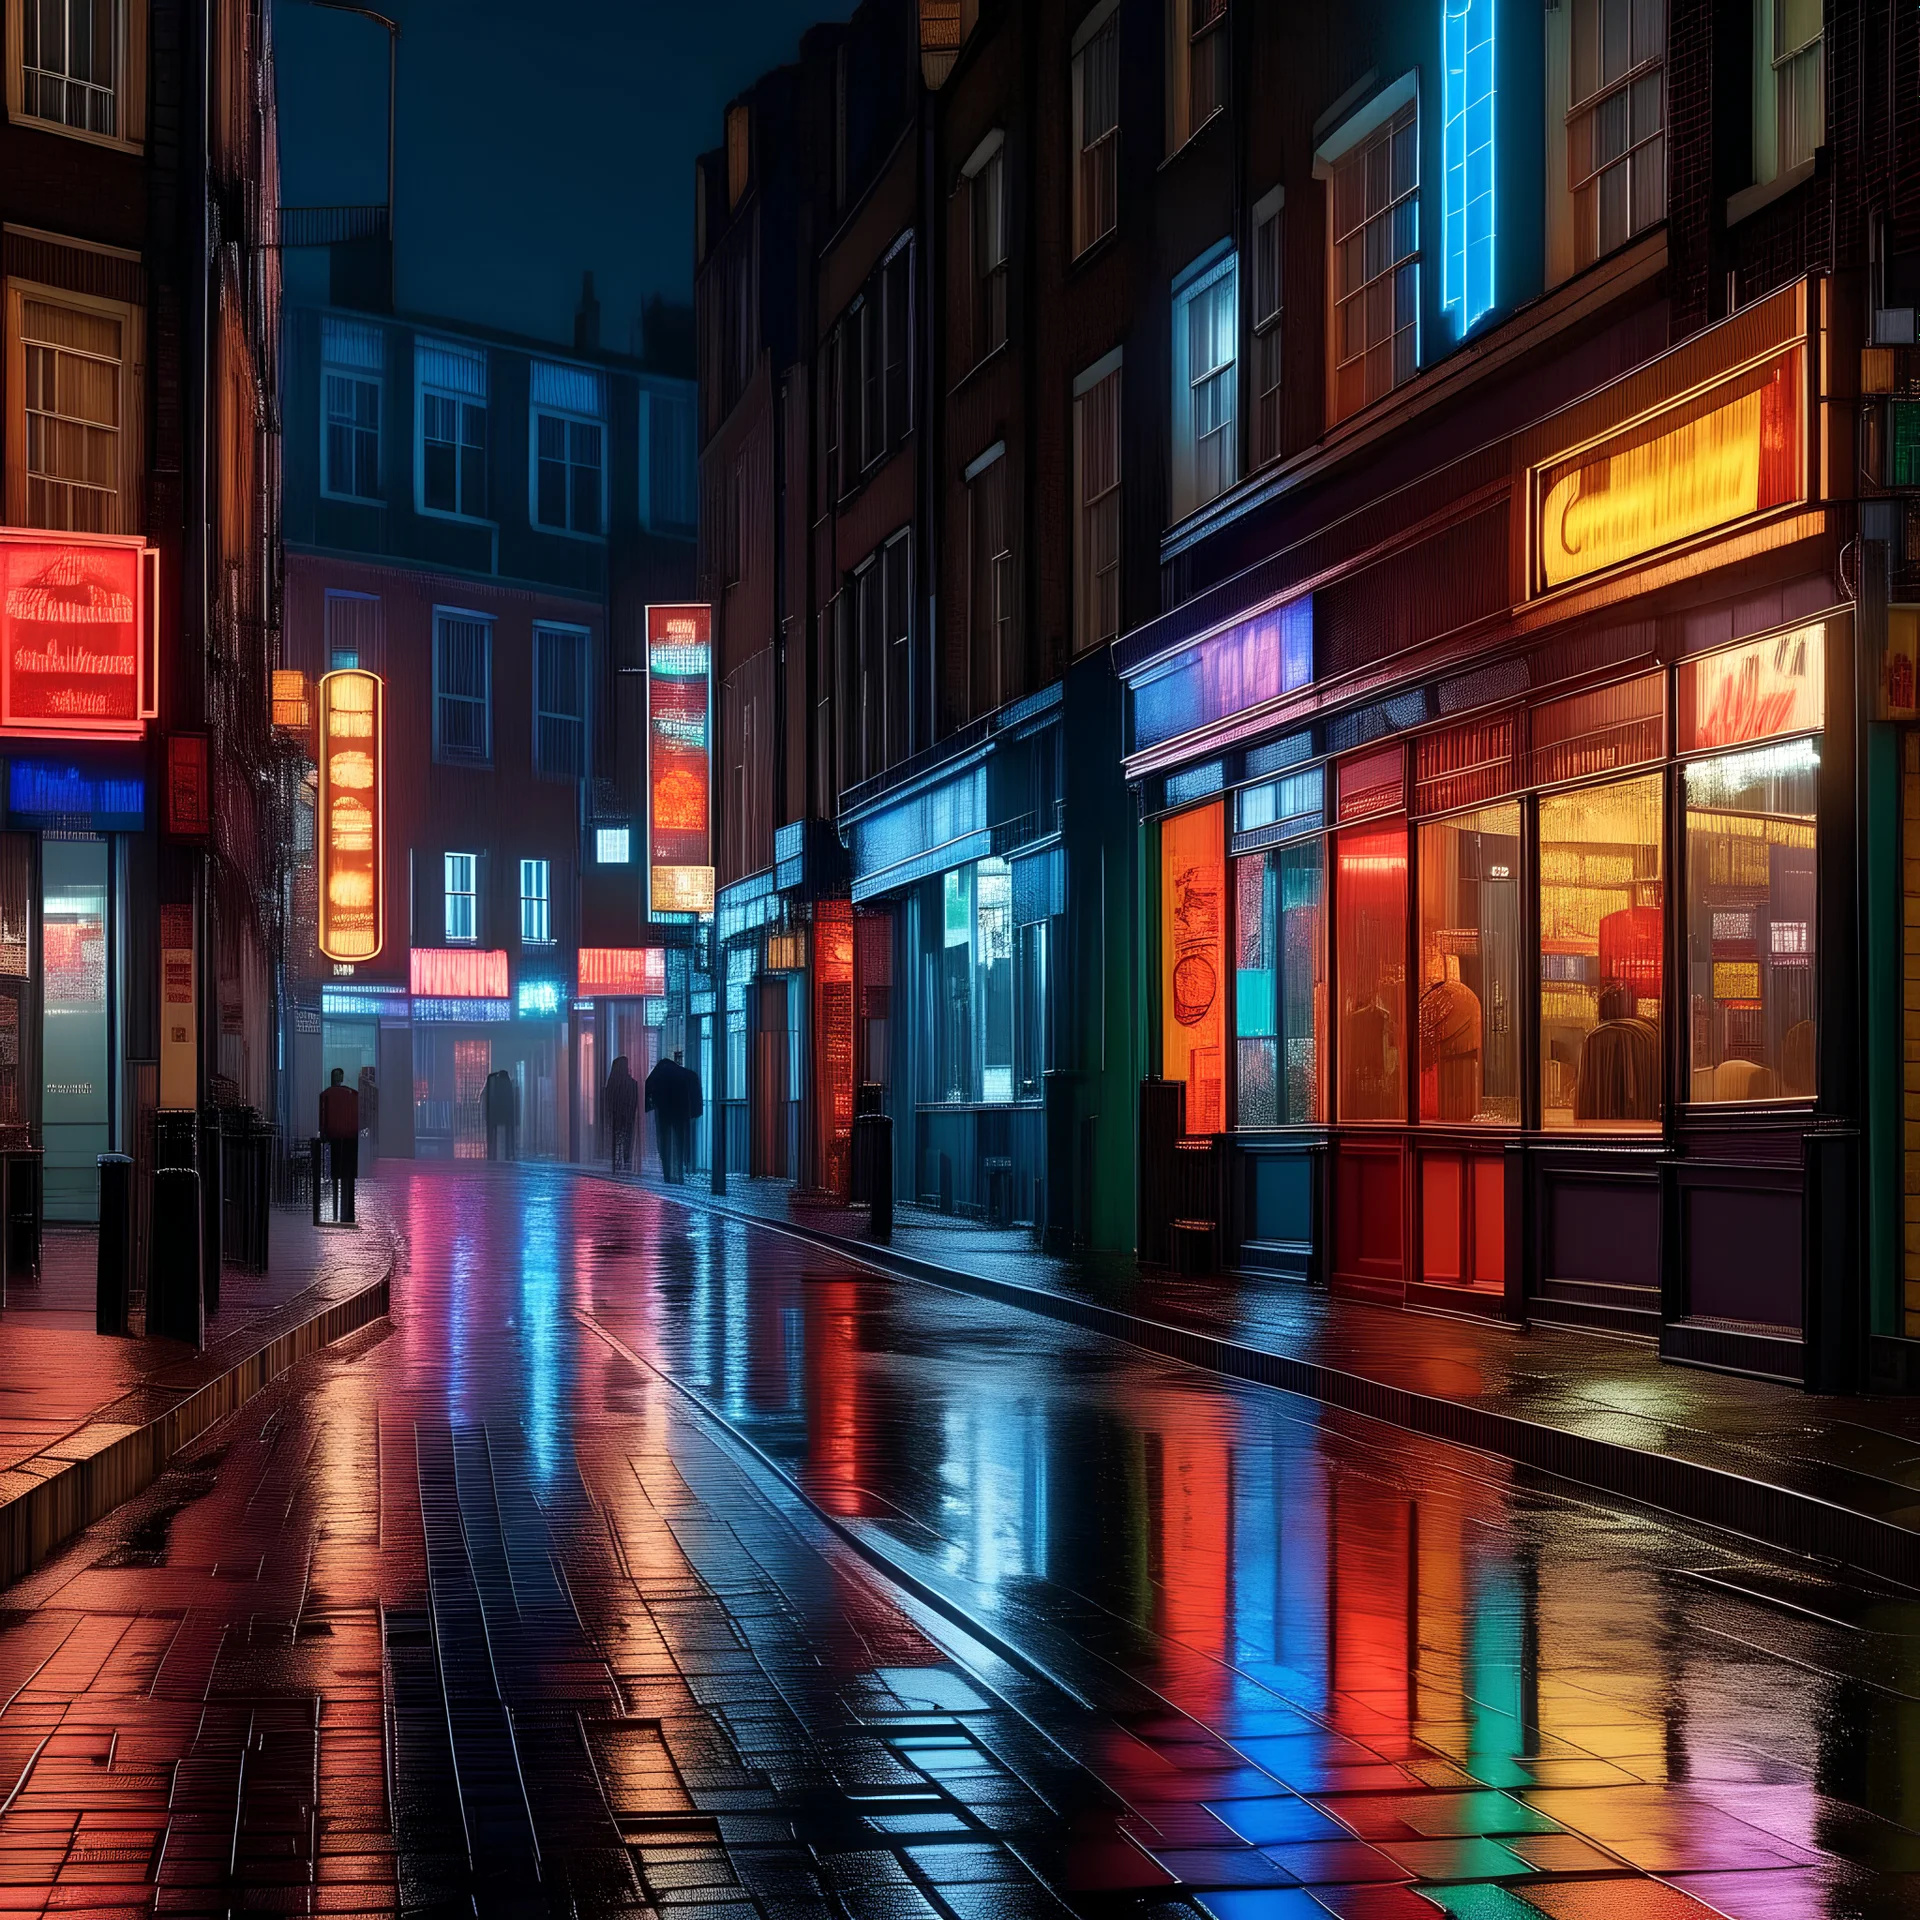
679, 759
542, 998
1702, 464
623, 972
1754, 692
77, 639
1467, 173
352, 815
458, 973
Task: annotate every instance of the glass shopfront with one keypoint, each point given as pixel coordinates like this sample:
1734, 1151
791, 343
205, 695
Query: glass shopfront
1470, 942
986, 992
1193, 954
1280, 985
1370, 967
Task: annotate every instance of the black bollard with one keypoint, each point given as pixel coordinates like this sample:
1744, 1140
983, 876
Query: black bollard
173, 1278
113, 1270
873, 1150
212, 1204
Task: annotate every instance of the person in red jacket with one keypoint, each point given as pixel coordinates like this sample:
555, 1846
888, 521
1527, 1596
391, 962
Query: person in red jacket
340, 1129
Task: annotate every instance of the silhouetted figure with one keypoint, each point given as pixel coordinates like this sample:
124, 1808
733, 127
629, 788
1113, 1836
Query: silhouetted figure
687, 1110
663, 1102
623, 1107
340, 1129
501, 1104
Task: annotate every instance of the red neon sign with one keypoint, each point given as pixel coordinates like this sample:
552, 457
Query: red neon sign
679, 760
352, 818
77, 653
622, 971
458, 973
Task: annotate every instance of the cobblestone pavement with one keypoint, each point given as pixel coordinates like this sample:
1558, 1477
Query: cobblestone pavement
514, 1605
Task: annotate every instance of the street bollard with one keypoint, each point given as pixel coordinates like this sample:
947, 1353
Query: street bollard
318, 1150
113, 1270
873, 1150
212, 1205
173, 1279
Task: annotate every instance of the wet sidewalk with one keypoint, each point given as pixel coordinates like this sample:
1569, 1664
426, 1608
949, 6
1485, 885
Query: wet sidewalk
1837, 1477
86, 1419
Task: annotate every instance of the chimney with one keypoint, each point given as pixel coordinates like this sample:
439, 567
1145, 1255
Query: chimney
586, 322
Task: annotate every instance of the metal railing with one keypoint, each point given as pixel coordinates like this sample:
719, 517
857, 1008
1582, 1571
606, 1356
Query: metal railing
329, 226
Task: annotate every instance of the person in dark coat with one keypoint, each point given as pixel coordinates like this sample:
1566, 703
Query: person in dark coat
623, 1106
340, 1129
687, 1108
499, 1103
663, 1102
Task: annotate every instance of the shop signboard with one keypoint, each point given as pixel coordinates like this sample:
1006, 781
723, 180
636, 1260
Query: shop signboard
1755, 692
679, 761
77, 655
179, 1011
458, 973
352, 916
622, 972
1691, 467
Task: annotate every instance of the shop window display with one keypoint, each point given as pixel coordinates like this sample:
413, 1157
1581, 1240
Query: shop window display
983, 972
1370, 958
1193, 961
1280, 985
1601, 920
1470, 968
1750, 923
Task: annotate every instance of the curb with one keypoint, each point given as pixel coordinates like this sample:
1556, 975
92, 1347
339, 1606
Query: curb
54, 1494
1775, 1516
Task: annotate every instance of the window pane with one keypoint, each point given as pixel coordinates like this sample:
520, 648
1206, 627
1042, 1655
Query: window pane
1192, 960
1280, 994
1750, 923
1470, 935
1601, 924
993, 961
948, 910
1370, 953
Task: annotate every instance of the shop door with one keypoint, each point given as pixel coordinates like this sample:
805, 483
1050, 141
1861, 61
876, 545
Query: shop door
771, 1056
76, 1098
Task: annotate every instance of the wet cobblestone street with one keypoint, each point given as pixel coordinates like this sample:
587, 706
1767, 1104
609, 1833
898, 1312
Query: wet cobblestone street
648, 1561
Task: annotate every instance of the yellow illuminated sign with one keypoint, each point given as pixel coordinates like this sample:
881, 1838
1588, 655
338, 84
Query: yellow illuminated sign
1703, 464
352, 815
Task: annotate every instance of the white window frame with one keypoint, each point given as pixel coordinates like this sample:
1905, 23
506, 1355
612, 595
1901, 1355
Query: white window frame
570, 417
1218, 269
484, 701
1771, 66
128, 91
583, 639
453, 921
1089, 630
1631, 86
536, 903
475, 396
373, 377
1097, 40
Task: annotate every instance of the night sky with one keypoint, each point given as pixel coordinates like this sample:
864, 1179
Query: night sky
537, 139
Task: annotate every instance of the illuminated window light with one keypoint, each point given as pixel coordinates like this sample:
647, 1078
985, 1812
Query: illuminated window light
623, 971
458, 972
442, 1009
1467, 158
542, 997
613, 846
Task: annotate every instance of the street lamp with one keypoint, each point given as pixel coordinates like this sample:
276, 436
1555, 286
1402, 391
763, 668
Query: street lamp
393, 59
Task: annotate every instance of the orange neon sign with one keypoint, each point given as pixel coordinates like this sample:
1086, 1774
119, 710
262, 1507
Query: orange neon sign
352, 820
679, 759
1704, 463
619, 971
77, 633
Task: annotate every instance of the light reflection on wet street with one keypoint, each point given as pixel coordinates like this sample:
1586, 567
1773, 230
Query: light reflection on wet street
508, 1607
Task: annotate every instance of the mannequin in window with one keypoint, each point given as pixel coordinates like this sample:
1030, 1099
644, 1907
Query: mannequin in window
1630, 943
1620, 1058
1449, 1043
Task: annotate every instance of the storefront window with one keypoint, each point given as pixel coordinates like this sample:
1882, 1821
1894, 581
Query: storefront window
1750, 923
950, 1004
987, 980
1600, 955
1193, 961
1280, 984
1470, 967
993, 959
1370, 960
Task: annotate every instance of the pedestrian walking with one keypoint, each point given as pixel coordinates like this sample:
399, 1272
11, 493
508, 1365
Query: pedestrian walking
663, 1097
340, 1129
501, 1103
623, 1106
688, 1107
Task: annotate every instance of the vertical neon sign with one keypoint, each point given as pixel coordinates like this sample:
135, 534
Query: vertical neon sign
679, 760
352, 805
1467, 158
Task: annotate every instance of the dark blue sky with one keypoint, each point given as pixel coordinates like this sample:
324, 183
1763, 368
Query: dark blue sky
537, 139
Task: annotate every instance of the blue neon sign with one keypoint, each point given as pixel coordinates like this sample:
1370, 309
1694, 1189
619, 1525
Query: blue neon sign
1467, 158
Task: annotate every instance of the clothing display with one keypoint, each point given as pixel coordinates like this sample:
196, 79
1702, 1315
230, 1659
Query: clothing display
1619, 1075
1630, 949
1450, 1051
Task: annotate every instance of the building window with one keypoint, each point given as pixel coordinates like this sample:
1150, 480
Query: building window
1602, 927
672, 463
1470, 967
76, 464
612, 846
896, 287
1096, 136
1206, 454
353, 631
462, 688
453, 428
1193, 962
987, 213
1790, 91
1375, 274
1616, 122
73, 65
987, 978
1269, 298
463, 898
352, 354
1096, 524
536, 907
897, 563
992, 629
1467, 165
569, 453
1196, 67
1280, 985
560, 702
1370, 965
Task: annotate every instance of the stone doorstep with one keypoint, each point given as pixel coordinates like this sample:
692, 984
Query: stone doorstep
1785, 1518
52, 1495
